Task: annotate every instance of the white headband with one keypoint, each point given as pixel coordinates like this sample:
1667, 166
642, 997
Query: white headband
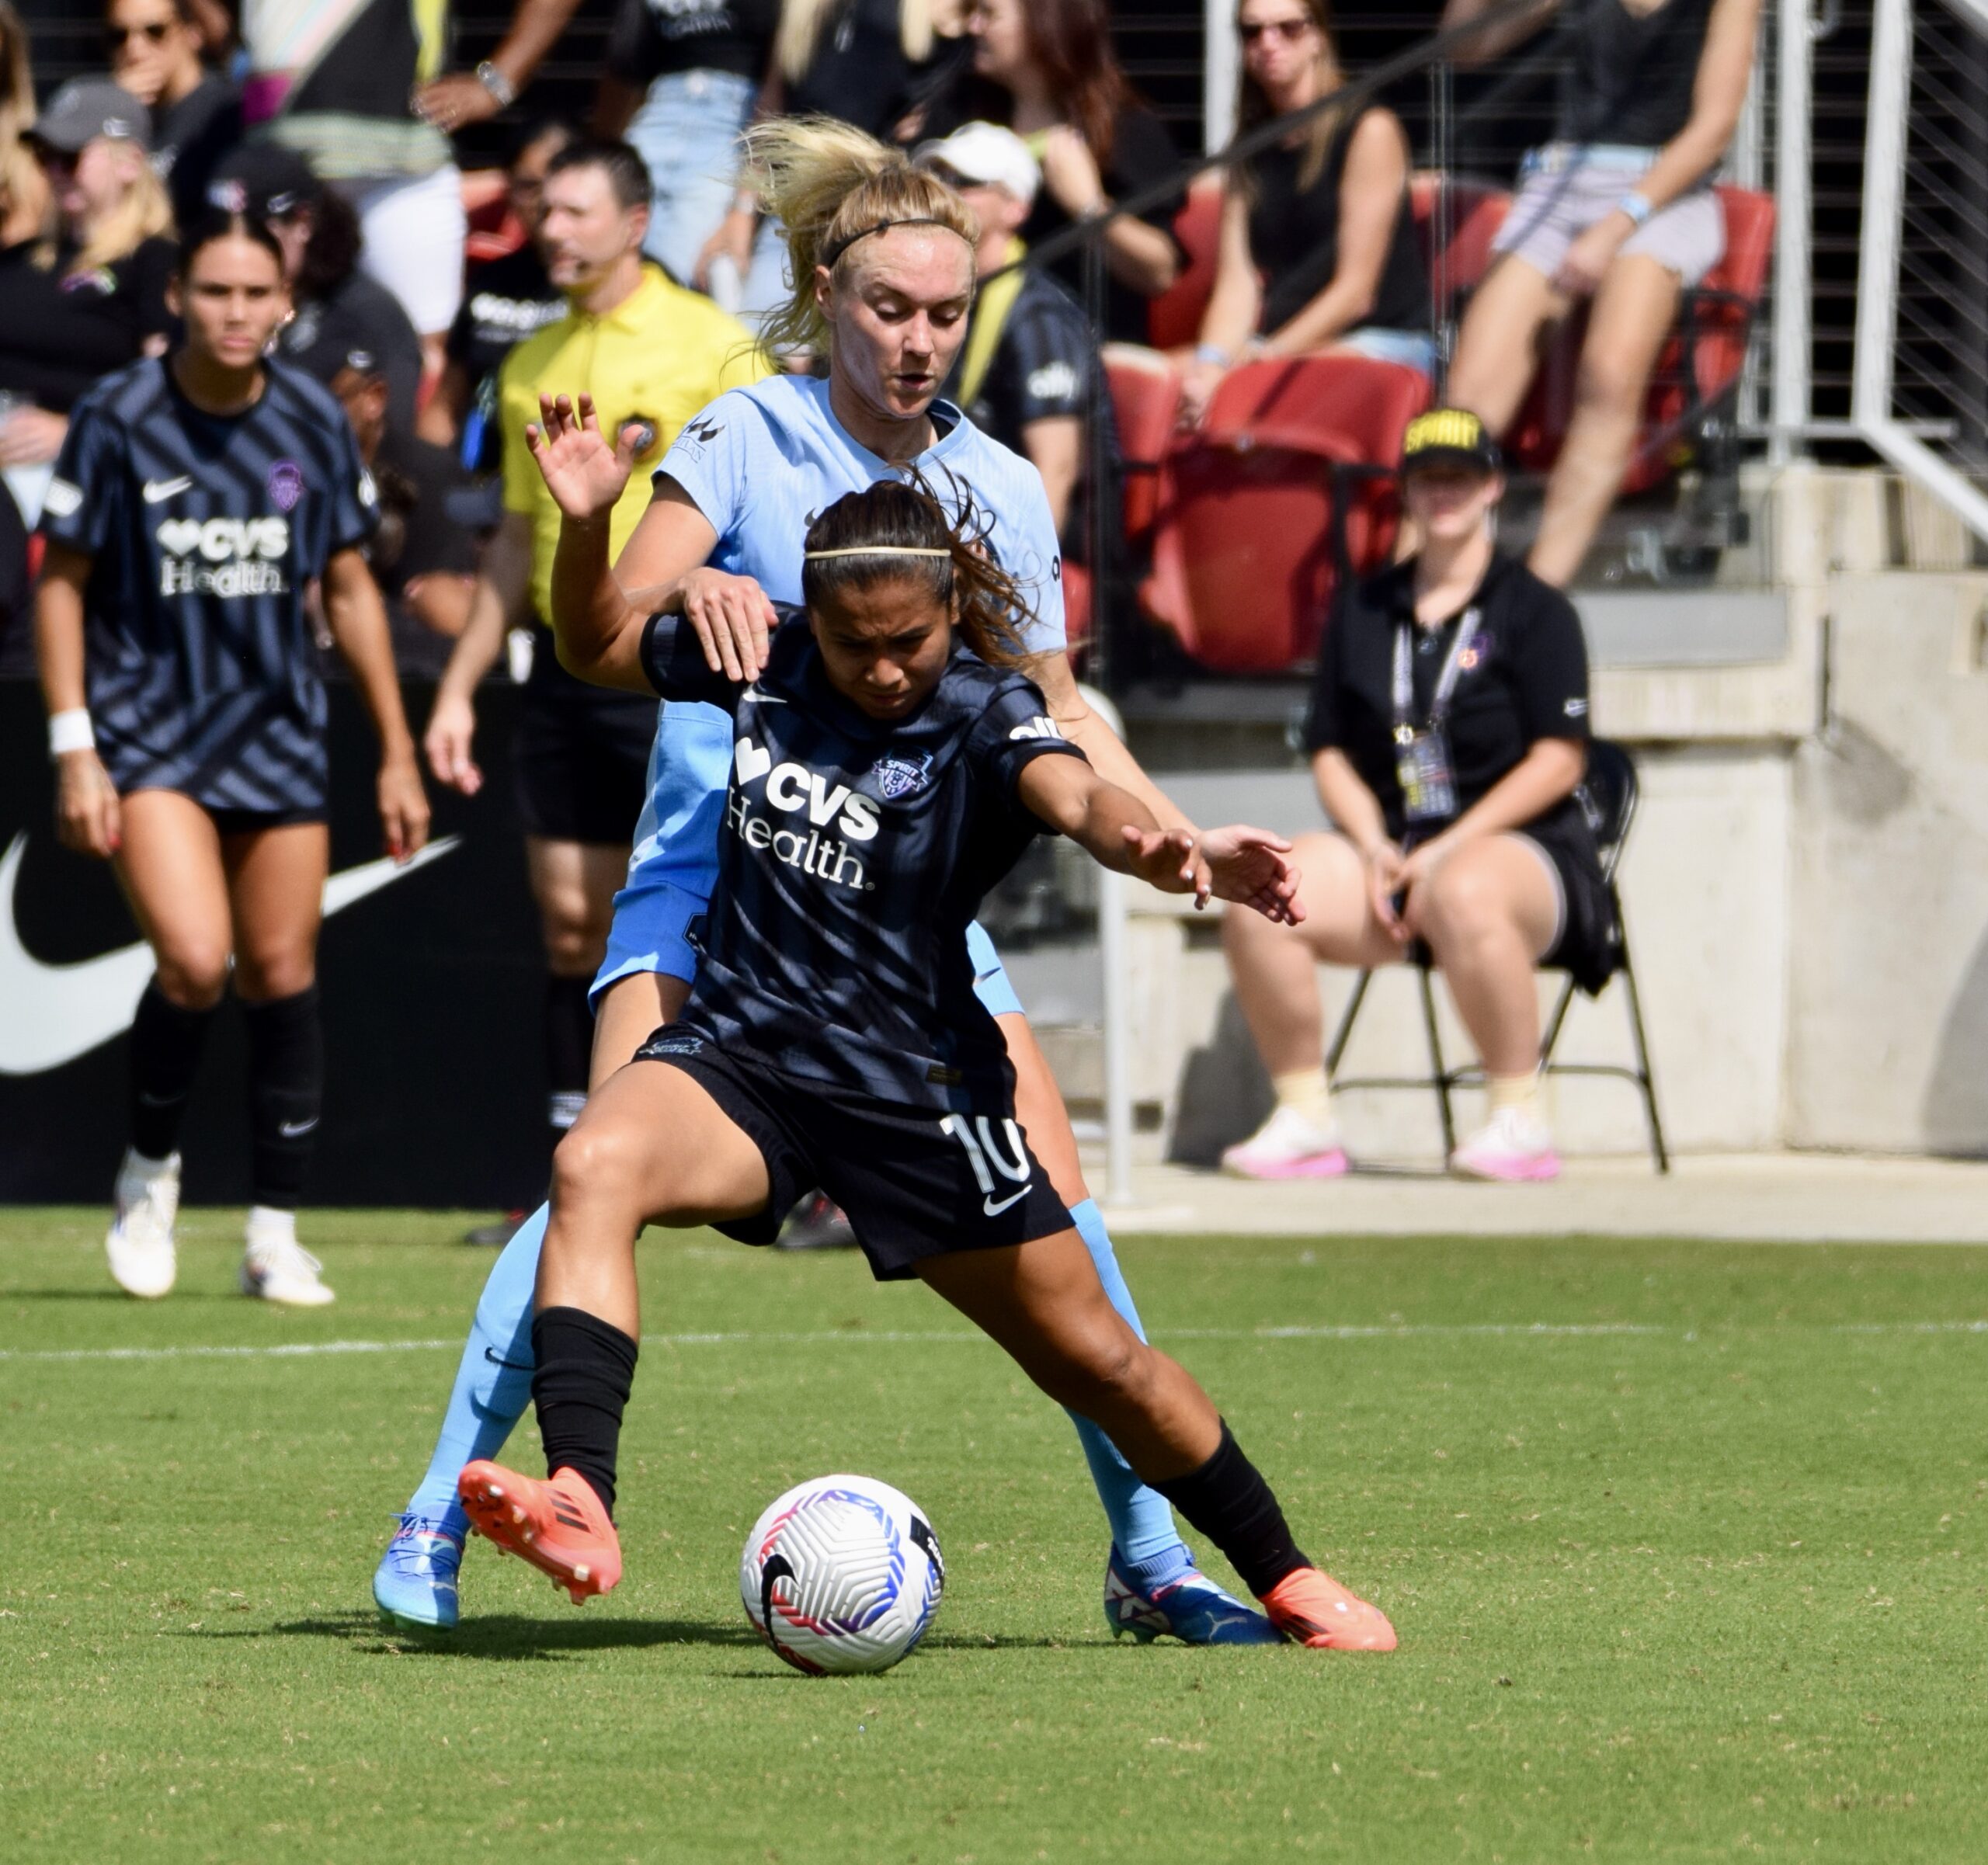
813, 556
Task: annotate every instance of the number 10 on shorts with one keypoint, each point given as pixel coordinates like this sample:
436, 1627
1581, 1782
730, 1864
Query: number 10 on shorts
987, 1157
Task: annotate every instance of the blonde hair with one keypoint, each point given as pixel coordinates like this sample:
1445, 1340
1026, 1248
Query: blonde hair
828, 185
145, 211
801, 21
22, 185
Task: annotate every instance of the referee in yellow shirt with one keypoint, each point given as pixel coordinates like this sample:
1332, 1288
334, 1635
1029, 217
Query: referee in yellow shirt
651, 354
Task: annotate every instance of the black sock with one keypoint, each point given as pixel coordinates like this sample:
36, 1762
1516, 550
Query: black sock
286, 1094
568, 1046
166, 1042
586, 1369
1228, 1501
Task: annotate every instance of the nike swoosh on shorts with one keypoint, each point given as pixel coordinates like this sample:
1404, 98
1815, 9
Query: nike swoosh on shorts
51, 1014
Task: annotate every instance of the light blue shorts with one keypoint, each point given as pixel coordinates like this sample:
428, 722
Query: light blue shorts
1412, 349
651, 933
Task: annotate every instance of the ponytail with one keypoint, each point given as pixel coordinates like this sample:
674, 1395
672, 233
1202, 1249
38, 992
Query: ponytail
830, 187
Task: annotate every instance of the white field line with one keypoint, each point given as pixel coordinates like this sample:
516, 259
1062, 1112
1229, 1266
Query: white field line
1432, 1331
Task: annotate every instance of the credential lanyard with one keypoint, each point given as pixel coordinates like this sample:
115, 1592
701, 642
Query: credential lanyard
1462, 630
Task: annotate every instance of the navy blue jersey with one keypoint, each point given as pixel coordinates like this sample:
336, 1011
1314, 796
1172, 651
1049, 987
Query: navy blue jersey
853, 855
204, 532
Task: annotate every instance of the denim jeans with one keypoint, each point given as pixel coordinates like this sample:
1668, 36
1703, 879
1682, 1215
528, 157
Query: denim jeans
687, 131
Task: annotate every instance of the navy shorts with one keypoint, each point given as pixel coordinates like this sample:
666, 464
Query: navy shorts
915, 1183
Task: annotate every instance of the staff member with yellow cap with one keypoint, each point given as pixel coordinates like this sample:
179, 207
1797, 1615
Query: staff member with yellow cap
1448, 736
651, 354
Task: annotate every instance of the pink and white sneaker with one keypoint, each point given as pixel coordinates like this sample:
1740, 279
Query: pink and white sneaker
1511, 1147
1288, 1146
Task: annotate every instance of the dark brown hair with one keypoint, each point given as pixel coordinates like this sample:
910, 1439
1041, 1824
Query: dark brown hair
1071, 42
986, 603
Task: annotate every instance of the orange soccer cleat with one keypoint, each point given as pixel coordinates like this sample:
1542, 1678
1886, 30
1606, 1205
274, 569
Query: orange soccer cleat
1310, 1606
557, 1525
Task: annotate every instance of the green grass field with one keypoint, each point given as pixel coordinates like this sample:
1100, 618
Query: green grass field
1684, 1542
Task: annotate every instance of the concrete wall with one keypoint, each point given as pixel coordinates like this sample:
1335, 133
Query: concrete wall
1806, 887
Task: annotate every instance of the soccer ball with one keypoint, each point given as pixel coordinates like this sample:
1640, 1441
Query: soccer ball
843, 1574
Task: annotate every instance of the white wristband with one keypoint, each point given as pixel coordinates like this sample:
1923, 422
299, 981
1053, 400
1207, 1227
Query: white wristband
1636, 205
70, 731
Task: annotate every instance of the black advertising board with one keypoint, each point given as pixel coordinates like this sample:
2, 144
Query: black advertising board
431, 980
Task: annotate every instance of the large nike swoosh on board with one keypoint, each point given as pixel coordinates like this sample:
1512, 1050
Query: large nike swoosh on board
51, 1014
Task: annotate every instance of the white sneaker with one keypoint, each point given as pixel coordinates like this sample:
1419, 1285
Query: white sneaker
276, 1267
1288, 1146
144, 1261
1512, 1147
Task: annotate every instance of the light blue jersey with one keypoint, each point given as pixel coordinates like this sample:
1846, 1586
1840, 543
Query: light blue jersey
761, 463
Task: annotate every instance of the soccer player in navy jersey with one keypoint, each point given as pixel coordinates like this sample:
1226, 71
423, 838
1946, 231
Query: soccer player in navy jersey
890, 763
198, 498
883, 259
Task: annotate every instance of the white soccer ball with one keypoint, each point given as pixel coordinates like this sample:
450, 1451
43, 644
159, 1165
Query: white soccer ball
843, 1574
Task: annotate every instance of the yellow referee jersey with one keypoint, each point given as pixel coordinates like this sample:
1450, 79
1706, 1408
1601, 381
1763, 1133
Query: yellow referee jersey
657, 358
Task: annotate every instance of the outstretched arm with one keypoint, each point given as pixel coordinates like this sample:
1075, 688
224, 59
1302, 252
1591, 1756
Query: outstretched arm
1118, 832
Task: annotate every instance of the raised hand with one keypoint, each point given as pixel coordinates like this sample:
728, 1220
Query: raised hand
583, 471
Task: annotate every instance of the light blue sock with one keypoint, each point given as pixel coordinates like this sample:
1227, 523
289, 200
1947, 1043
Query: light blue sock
1141, 1521
493, 1382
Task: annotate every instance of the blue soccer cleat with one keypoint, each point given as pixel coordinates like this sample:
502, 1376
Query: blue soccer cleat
414, 1584
1192, 1609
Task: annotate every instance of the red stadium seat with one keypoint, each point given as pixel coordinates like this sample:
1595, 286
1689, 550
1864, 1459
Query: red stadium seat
1697, 373
1477, 211
1290, 481
1145, 404
1174, 318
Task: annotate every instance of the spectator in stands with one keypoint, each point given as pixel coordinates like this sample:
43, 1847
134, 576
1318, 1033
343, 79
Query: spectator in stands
682, 78
338, 309
155, 48
880, 65
504, 301
1057, 84
421, 554
1025, 372
1448, 734
352, 85
24, 201
1319, 250
1617, 209
93, 297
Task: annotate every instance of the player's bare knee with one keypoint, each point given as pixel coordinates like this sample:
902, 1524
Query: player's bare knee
600, 1161
192, 977
262, 978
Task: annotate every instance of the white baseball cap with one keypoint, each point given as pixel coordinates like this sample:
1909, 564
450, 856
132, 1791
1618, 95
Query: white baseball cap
988, 155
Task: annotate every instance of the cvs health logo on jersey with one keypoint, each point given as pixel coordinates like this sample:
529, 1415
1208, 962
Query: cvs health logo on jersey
805, 819
226, 557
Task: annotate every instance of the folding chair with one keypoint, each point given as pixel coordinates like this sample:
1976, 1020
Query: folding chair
1146, 405
1608, 795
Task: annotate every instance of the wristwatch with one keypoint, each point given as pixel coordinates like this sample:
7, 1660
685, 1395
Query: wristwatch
497, 84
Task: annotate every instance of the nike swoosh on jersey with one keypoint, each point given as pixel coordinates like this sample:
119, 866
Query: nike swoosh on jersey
157, 489
753, 696
994, 1209
296, 1129
51, 1014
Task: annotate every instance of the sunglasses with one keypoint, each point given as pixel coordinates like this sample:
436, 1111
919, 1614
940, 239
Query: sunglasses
1290, 31
153, 32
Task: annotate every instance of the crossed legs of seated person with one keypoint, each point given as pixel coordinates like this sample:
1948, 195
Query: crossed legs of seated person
1152, 1586
916, 1212
1488, 914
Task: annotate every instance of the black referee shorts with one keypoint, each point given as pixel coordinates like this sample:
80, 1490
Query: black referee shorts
914, 1182
581, 762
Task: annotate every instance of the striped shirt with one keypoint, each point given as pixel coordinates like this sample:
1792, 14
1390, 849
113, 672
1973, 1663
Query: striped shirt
853, 853
204, 533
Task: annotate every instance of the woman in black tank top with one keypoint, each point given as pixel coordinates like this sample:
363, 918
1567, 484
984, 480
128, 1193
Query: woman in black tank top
1618, 208
1318, 248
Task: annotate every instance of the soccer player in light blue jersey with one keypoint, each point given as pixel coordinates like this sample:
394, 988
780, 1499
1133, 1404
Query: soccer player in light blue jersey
883, 255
